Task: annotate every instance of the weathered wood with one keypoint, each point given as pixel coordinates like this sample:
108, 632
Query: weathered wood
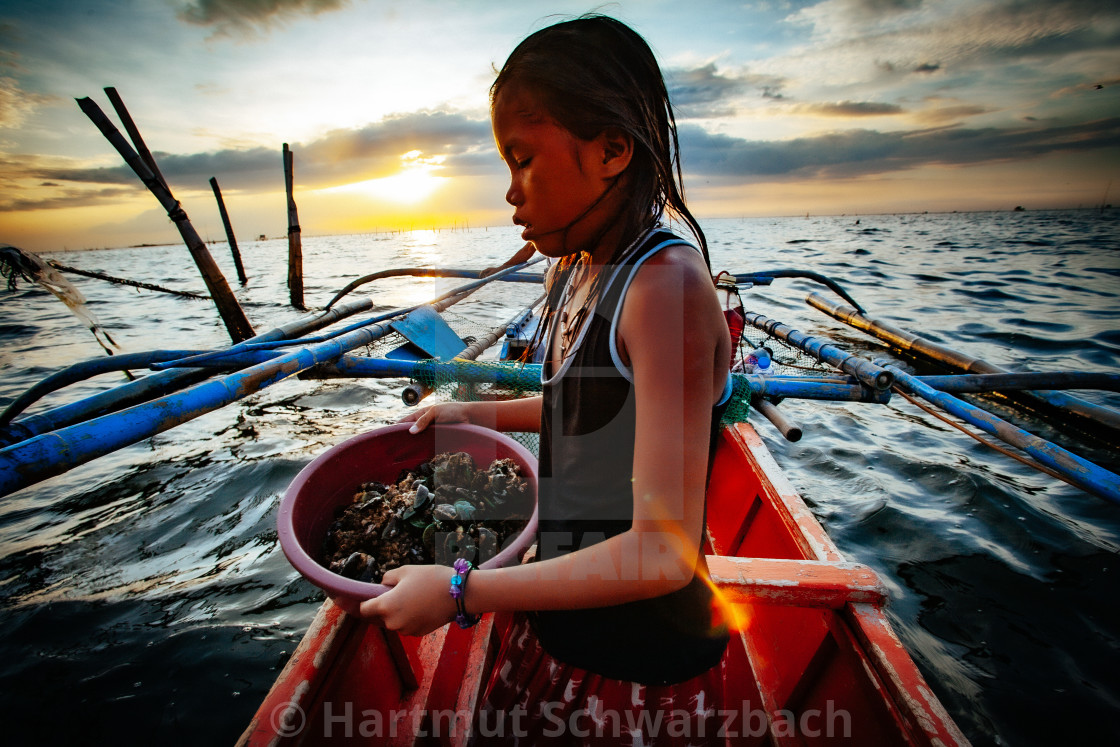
789, 431
134, 133
295, 249
802, 583
230, 310
229, 231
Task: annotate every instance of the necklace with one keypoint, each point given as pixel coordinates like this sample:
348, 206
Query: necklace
572, 323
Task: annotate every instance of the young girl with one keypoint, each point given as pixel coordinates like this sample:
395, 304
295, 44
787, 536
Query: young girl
617, 637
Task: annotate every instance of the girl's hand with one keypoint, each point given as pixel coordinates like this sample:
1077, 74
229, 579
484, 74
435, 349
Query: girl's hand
444, 412
419, 602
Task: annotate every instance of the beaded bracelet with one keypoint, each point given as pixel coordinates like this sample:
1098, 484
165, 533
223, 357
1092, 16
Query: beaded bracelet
458, 589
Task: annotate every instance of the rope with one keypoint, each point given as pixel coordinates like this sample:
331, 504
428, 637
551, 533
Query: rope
122, 281
1006, 452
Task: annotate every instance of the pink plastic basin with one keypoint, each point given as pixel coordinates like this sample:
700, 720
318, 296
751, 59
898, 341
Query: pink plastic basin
308, 506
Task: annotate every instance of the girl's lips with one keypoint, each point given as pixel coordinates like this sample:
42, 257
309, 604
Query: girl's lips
526, 228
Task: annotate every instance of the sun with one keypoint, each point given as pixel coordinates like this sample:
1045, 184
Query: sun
416, 181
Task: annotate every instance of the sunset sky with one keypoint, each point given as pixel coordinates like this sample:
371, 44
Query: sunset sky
786, 107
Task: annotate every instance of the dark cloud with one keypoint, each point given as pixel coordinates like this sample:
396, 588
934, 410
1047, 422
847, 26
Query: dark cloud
851, 109
228, 16
67, 198
863, 152
877, 7
703, 92
927, 67
340, 157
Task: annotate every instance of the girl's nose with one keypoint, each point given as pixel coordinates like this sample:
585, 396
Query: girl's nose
513, 194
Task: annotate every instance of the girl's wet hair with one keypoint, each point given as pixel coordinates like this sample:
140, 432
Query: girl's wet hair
593, 73
590, 74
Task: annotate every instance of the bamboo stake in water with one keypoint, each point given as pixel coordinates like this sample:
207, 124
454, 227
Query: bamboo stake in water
229, 231
230, 310
295, 249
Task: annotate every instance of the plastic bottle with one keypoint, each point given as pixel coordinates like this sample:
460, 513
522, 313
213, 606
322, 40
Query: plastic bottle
758, 361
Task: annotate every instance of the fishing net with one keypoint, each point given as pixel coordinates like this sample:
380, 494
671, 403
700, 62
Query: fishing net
16, 263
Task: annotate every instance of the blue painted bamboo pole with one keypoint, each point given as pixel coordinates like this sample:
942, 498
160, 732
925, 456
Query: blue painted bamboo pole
922, 347
56, 452
998, 382
527, 377
867, 372
165, 382
84, 370
1081, 472
103, 403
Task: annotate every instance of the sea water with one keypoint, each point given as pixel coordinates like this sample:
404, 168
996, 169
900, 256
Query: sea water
144, 598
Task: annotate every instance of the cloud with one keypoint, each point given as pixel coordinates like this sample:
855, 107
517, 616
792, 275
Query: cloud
1083, 88
16, 104
863, 152
67, 197
246, 17
701, 92
852, 40
849, 109
942, 115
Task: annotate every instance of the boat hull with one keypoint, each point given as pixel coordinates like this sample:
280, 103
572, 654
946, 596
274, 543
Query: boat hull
813, 659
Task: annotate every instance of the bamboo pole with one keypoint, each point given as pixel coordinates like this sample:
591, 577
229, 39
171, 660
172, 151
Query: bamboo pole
229, 231
230, 310
867, 372
1087, 413
1079, 471
790, 431
295, 249
134, 134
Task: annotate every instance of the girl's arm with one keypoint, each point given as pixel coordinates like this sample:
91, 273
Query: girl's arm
676, 341
505, 415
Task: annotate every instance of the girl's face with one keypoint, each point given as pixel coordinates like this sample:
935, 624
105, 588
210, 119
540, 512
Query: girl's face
558, 182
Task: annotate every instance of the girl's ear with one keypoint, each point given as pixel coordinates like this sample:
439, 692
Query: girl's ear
617, 148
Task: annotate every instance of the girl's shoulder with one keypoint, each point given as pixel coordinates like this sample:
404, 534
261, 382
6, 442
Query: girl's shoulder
680, 265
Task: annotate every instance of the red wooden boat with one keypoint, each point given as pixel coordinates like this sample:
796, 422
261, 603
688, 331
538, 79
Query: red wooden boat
815, 660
